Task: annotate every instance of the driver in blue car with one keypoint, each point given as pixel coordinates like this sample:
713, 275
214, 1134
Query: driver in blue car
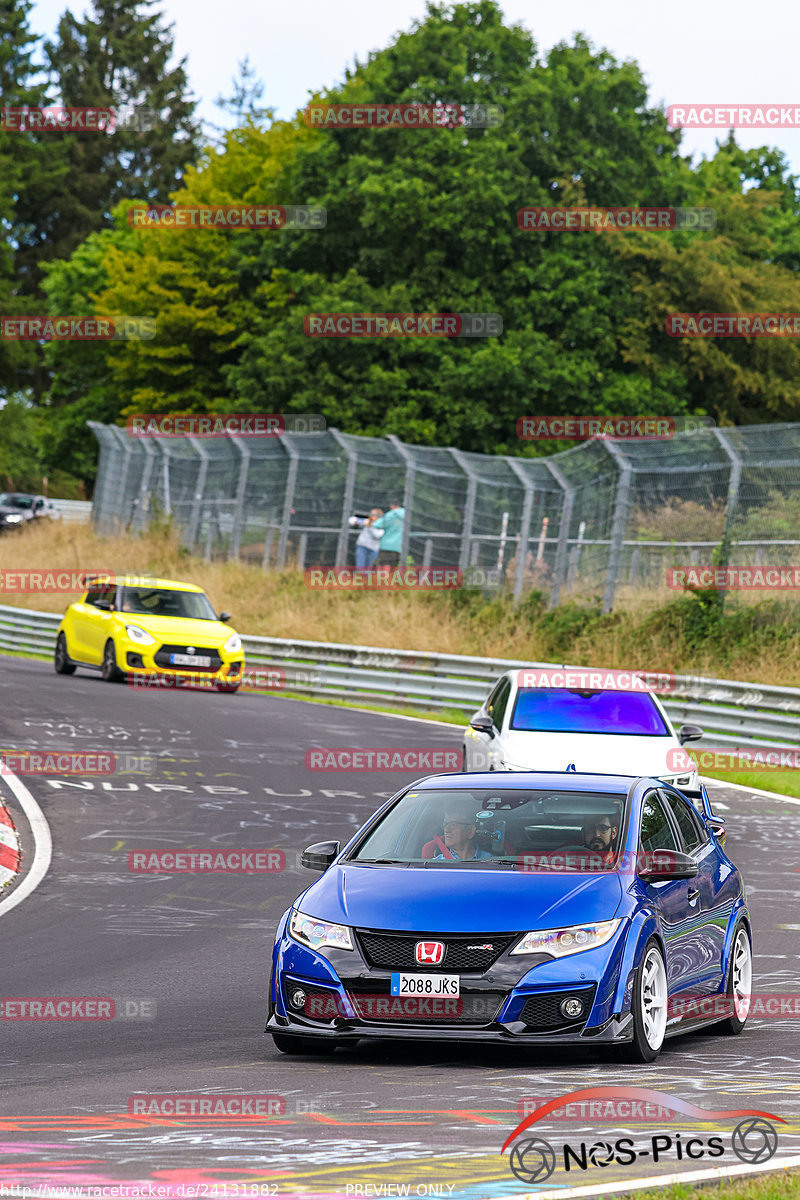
459, 837
600, 835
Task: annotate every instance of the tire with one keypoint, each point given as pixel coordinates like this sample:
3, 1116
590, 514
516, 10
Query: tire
649, 1006
110, 671
289, 1043
61, 660
739, 985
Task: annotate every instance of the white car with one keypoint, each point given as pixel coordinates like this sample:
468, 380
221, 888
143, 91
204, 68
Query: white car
609, 731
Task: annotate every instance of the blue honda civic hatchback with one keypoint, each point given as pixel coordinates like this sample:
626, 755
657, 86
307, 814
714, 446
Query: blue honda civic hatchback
531, 908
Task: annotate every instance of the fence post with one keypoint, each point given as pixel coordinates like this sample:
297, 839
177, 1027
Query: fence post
564, 523
142, 502
194, 519
525, 526
619, 523
734, 480
408, 493
286, 519
241, 487
347, 501
469, 507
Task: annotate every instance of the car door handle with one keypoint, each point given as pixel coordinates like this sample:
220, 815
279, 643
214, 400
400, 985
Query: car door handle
693, 894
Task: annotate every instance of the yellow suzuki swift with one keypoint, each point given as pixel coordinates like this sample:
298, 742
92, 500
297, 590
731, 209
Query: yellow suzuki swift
128, 625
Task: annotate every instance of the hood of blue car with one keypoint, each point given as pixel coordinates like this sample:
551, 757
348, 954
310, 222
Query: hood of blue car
453, 900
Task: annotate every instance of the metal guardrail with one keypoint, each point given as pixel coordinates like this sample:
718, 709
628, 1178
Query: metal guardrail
74, 512
732, 713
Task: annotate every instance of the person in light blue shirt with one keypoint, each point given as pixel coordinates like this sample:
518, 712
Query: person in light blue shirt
459, 837
392, 542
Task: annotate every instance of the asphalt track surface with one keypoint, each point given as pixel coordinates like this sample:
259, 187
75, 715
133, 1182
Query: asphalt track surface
230, 774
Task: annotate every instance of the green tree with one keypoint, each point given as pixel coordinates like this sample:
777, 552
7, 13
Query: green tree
119, 56
427, 221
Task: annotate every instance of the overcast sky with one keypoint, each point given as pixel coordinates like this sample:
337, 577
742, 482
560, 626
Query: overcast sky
695, 51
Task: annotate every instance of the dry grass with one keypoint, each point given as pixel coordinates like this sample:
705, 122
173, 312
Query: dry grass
278, 604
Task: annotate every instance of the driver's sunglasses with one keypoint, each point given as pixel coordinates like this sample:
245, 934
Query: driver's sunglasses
457, 825
597, 828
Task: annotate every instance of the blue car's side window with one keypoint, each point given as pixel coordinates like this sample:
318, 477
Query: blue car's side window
688, 823
656, 831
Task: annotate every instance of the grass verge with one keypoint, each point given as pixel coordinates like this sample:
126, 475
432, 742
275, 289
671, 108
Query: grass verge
775, 1185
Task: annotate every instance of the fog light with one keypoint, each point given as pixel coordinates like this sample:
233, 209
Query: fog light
297, 998
571, 1007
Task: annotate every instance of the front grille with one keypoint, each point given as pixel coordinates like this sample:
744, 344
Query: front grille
395, 951
373, 1004
543, 1012
162, 658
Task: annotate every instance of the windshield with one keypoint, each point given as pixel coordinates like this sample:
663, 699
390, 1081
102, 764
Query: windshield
560, 710
167, 602
15, 500
512, 827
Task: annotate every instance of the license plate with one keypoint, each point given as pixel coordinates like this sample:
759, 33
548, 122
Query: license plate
190, 660
424, 985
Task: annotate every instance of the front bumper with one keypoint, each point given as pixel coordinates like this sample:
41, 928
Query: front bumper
153, 661
515, 999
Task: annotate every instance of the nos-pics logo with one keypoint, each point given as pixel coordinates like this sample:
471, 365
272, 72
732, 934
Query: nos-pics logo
754, 1139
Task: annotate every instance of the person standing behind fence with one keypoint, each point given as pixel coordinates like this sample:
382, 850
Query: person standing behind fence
369, 542
392, 544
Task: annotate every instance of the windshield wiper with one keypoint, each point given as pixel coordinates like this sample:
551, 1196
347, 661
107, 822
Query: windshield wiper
382, 862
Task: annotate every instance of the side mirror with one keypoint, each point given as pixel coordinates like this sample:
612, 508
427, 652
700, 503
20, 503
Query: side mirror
482, 723
655, 865
319, 856
689, 733
225, 616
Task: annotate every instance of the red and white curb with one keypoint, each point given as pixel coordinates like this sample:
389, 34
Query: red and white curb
9, 847
37, 867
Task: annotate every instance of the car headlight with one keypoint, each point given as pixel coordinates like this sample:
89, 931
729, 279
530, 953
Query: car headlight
317, 934
137, 634
569, 940
233, 644
13, 519
679, 780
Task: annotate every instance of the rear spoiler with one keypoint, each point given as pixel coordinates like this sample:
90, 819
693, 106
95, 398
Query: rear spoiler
716, 822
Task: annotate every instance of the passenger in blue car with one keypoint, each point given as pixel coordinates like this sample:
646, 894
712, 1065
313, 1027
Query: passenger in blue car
459, 837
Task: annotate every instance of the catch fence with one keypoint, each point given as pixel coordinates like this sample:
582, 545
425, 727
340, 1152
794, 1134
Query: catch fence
605, 515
